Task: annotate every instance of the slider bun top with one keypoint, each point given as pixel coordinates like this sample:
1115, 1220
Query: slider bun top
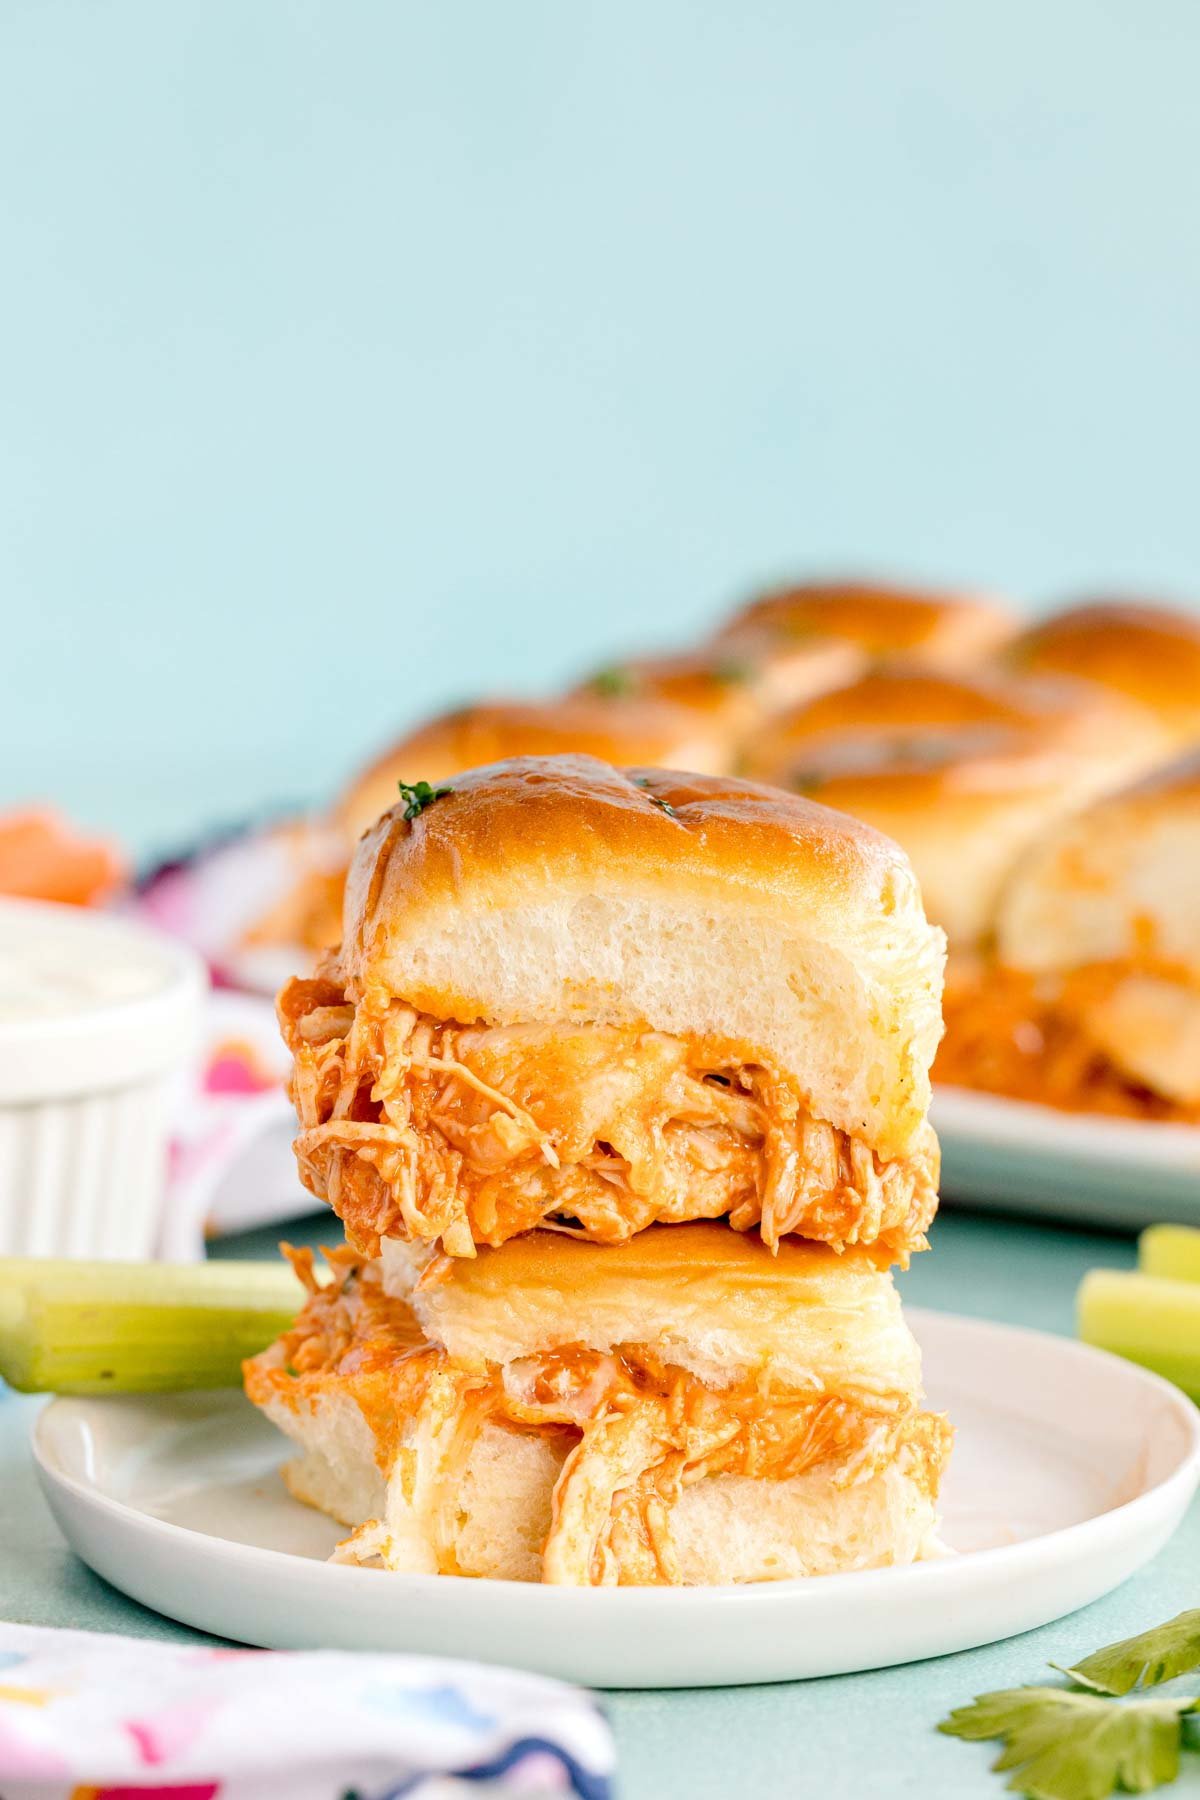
886, 622
715, 1301
729, 685
644, 731
905, 704
963, 770
560, 888
1119, 881
1150, 653
965, 804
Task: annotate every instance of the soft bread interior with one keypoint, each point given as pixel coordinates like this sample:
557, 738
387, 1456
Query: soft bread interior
713, 1301
1119, 880
854, 1023
963, 844
1118, 889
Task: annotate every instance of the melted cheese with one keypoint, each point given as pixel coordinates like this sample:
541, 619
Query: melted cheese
411, 1127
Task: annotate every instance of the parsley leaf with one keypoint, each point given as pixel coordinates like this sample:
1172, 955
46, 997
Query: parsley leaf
643, 781
417, 795
1063, 1745
732, 671
1143, 1661
807, 781
612, 683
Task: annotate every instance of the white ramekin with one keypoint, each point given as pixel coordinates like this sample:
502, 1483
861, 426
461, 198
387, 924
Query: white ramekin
86, 1092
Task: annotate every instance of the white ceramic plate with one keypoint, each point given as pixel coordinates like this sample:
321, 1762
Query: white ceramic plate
1086, 1168
1070, 1471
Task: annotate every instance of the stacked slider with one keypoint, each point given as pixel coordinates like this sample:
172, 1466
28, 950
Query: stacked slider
619, 1084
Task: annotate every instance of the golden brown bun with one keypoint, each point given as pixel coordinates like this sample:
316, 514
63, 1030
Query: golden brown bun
1149, 653
562, 889
1119, 885
642, 732
728, 688
965, 771
905, 704
886, 622
712, 1300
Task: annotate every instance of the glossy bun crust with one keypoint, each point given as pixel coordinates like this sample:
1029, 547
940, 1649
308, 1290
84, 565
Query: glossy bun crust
641, 731
887, 623
965, 771
1149, 653
727, 688
715, 1301
906, 705
562, 889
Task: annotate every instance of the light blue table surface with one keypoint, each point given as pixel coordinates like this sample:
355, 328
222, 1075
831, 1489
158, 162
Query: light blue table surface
854, 1736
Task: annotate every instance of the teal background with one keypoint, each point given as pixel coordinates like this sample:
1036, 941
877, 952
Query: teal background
361, 357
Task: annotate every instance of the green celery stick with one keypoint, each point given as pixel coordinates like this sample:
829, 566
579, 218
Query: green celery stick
1171, 1250
1147, 1318
137, 1328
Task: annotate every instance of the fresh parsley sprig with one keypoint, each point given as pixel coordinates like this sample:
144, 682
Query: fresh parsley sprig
1064, 1744
417, 795
1143, 1661
614, 683
642, 781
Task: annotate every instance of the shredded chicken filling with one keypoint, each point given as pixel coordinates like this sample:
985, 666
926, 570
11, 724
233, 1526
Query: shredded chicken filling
639, 1431
1012, 1032
413, 1127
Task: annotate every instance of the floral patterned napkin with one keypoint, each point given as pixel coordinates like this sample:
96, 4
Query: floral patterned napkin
84, 1716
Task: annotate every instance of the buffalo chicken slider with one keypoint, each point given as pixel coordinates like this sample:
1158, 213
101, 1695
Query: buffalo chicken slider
619, 1083
1092, 1001
590, 999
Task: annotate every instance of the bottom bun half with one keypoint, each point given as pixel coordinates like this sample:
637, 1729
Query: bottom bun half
591, 1466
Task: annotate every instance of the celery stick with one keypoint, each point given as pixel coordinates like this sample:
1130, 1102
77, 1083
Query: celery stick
1171, 1250
126, 1328
1147, 1318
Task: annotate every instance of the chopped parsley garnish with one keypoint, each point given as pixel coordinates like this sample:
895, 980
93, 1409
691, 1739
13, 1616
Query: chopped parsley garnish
807, 781
733, 671
417, 795
612, 683
642, 781
1064, 1744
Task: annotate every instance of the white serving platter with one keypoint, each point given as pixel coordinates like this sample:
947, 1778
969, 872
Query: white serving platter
1071, 1469
1087, 1168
